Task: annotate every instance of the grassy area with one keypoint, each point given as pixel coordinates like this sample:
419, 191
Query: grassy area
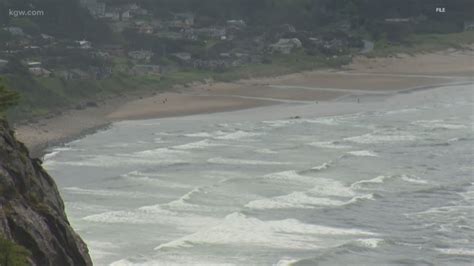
422, 43
43, 96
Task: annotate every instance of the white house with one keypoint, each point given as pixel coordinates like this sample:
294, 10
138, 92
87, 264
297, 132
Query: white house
3, 64
468, 25
84, 44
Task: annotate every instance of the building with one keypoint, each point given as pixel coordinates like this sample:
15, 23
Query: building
146, 70
186, 18
32, 64
126, 15
15, 31
112, 15
469, 26
39, 71
138, 11
146, 29
182, 57
3, 64
181, 21
97, 9
212, 32
47, 37
84, 44
236, 23
398, 20
286, 46
141, 55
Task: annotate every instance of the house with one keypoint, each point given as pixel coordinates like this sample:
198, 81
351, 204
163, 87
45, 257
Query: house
97, 9
84, 44
468, 25
334, 47
212, 32
112, 15
213, 64
181, 21
126, 15
286, 28
17, 31
32, 47
3, 64
113, 49
186, 18
189, 34
236, 23
141, 55
32, 64
39, 71
136, 10
47, 37
286, 46
73, 74
145, 70
182, 57
398, 20
98, 73
146, 29
36, 69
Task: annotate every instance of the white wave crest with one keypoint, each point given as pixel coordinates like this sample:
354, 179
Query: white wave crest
154, 214
363, 153
456, 251
371, 138
106, 193
413, 179
323, 166
197, 145
369, 242
237, 135
239, 229
435, 124
330, 145
220, 160
376, 180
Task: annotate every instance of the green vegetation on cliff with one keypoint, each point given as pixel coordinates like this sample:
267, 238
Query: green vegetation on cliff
8, 98
12, 254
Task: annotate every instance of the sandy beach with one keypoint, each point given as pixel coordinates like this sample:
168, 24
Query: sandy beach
365, 76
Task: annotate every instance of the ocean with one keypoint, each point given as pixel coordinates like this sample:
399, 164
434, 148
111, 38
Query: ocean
387, 181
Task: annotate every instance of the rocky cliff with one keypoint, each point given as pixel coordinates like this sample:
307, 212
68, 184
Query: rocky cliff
31, 210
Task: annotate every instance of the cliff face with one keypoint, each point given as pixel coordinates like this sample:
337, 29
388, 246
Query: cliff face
31, 209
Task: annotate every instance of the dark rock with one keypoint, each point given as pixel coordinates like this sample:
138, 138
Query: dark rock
31, 209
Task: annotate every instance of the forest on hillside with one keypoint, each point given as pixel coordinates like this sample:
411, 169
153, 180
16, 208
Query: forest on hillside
314, 33
67, 18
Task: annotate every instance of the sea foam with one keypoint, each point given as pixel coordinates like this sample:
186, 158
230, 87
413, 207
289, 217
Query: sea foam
239, 229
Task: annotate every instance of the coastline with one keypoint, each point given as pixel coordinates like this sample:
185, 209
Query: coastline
364, 77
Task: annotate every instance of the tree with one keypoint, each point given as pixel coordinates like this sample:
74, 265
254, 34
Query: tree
8, 98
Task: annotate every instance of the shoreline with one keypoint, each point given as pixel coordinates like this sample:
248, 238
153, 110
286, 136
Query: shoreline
365, 76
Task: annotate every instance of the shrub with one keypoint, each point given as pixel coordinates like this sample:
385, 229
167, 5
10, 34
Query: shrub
12, 254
